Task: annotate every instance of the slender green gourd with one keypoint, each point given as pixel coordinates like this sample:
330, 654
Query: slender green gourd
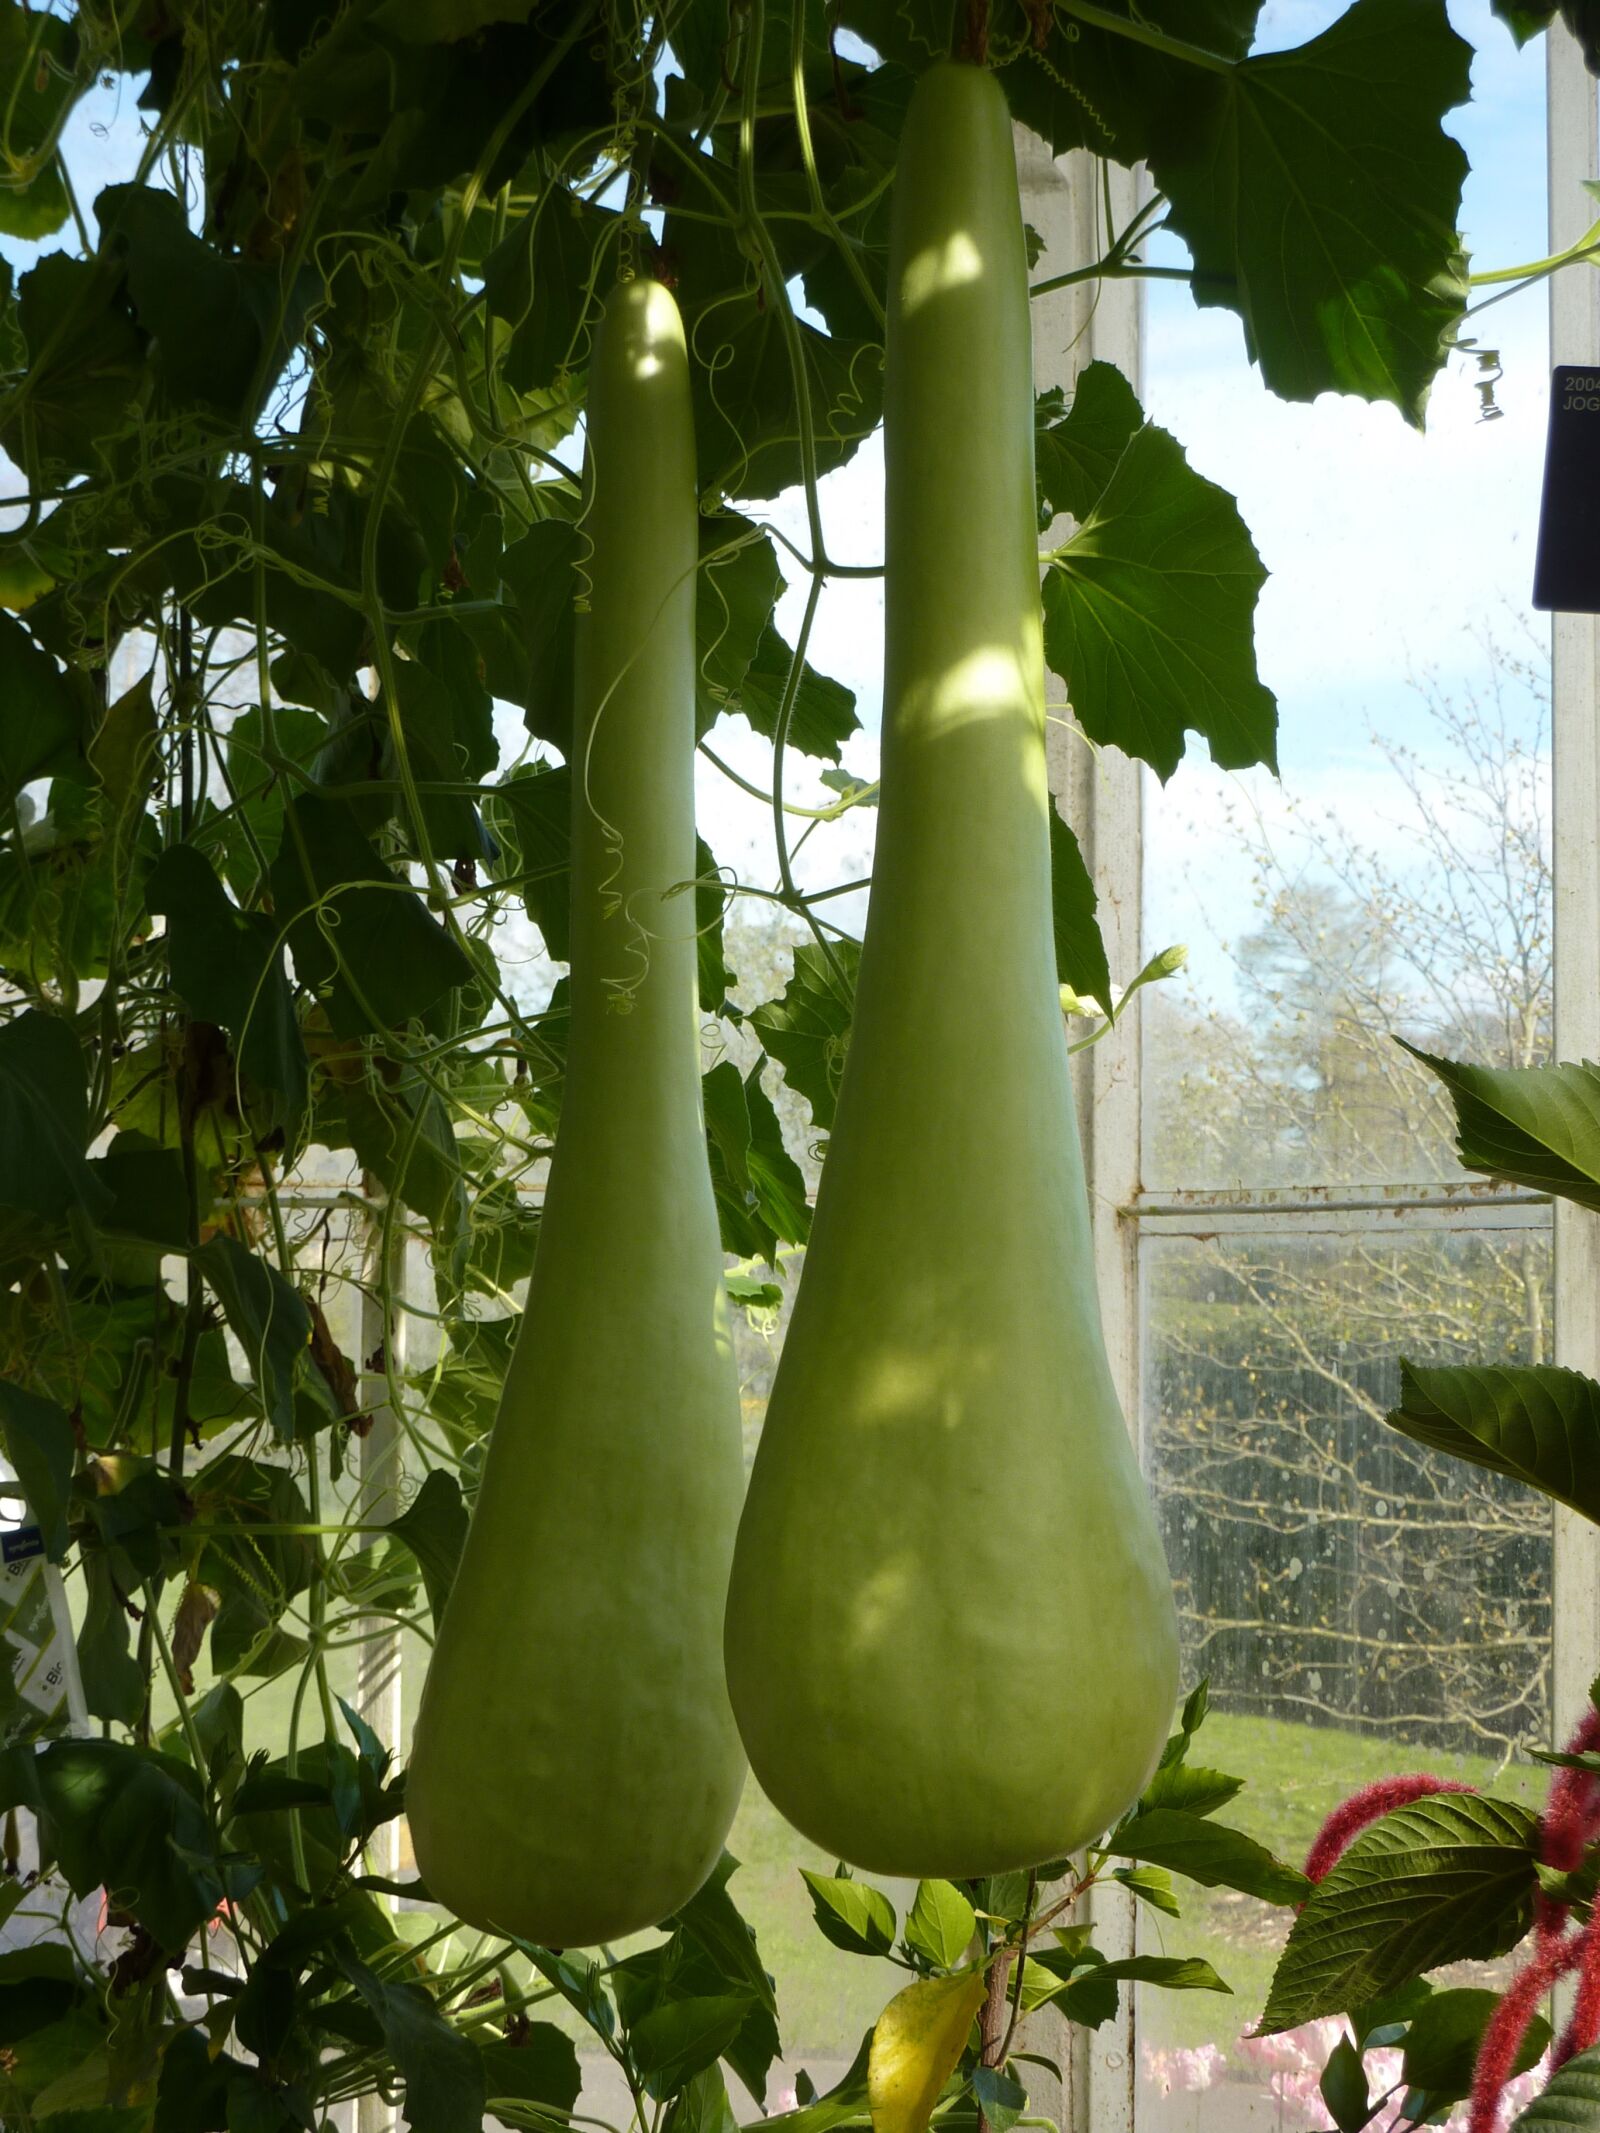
575, 1766
951, 1642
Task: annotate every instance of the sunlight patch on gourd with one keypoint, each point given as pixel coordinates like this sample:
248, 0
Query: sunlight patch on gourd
880, 1605
939, 269
918, 1388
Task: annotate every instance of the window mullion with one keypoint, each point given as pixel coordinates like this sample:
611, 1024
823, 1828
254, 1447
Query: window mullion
1100, 794
1575, 744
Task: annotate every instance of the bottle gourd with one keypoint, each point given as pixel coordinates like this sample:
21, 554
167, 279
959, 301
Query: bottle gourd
951, 1641
575, 1766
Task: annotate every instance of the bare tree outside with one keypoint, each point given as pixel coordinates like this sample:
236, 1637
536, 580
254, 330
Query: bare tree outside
1329, 1572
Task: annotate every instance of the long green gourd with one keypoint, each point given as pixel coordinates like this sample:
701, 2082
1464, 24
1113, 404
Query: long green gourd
951, 1642
575, 1765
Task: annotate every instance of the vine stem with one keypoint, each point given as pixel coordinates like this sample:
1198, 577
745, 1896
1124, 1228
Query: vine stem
1138, 31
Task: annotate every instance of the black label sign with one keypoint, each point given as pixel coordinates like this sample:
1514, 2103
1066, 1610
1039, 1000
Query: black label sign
1566, 571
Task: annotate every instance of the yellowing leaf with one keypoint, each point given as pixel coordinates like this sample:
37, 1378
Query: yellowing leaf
917, 2041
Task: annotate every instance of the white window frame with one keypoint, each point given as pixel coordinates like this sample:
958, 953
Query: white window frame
1101, 794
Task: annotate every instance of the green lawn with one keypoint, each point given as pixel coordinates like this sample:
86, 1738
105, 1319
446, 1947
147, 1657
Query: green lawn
1295, 1776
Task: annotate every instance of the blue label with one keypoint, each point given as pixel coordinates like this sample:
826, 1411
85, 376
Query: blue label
19, 1543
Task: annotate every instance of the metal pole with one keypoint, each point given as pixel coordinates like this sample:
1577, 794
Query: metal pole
379, 1673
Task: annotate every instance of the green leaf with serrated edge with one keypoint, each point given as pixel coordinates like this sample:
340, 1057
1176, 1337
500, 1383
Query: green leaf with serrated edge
434, 1528
42, 1452
1441, 2045
851, 1914
1198, 1791
1076, 456
1534, 1423
1081, 965
1149, 615
940, 1923
1357, 302
1534, 1126
265, 1315
1447, 1879
1207, 1852
807, 1028
1571, 2101
822, 715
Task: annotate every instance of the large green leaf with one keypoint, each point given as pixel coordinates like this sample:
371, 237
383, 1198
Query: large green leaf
1535, 1423
40, 66
940, 1923
1536, 1126
1080, 952
41, 712
42, 1452
221, 324
761, 1196
86, 365
530, 816
538, 2066
1448, 1879
1526, 18
676, 2041
228, 965
1149, 615
359, 932
258, 1574
265, 1315
44, 1120
1076, 453
1441, 2046
743, 664
807, 1028
1319, 195
442, 2070
852, 1914
434, 1528
130, 1821
545, 279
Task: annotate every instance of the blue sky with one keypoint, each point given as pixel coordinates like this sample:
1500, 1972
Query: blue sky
1391, 553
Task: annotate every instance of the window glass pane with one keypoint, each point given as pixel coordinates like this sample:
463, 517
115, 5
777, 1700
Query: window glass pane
1397, 878
1361, 1607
